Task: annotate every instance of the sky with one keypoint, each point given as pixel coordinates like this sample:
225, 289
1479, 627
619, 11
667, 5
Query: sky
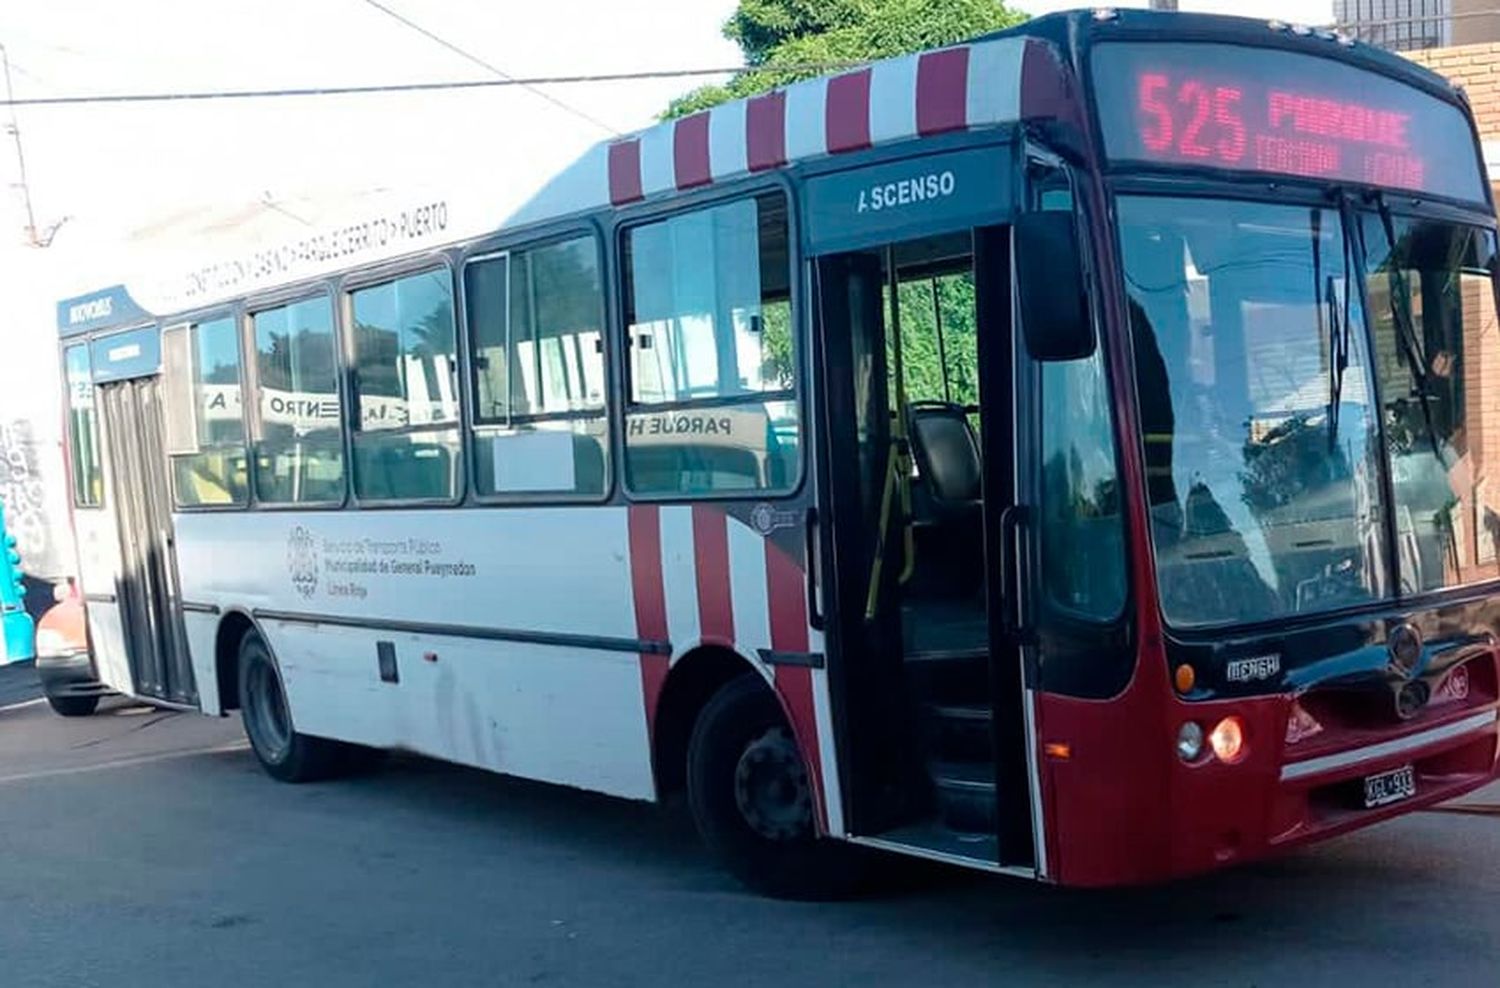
120, 179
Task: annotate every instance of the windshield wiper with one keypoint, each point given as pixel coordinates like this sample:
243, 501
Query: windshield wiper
1400, 298
1326, 302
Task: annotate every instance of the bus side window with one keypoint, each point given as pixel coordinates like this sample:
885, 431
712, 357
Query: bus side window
215, 473
298, 447
83, 429
1082, 531
712, 401
536, 319
405, 441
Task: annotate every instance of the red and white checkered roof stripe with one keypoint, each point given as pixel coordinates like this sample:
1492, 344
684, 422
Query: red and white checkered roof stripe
958, 88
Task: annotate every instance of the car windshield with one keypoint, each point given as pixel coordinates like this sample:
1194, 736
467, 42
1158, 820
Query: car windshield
1255, 391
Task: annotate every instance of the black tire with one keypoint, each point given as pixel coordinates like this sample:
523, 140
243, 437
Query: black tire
284, 753
73, 706
739, 733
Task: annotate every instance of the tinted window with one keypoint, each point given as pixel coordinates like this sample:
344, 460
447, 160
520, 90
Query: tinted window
1432, 305
83, 430
712, 366
536, 319
406, 442
1082, 536
216, 473
299, 456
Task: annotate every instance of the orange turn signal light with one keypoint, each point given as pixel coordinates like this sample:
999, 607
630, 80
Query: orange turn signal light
1184, 678
1060, 750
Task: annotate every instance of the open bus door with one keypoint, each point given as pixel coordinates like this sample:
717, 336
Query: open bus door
916, 500
135, 463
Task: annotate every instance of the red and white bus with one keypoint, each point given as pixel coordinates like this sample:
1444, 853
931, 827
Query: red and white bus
1063, 454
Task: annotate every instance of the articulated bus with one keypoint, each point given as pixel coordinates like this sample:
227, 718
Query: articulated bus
1064, 454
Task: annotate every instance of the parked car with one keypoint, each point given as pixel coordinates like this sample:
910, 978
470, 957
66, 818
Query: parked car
64, 661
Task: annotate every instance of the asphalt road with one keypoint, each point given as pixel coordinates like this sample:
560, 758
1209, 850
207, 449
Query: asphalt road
146, 848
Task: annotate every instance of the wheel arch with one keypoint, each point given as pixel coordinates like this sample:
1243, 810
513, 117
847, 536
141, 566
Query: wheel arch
691, 682
232, 629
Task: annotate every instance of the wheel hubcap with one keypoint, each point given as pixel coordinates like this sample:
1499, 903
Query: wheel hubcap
771, 788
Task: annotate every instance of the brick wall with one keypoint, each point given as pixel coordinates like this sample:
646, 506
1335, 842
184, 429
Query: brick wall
1477, 69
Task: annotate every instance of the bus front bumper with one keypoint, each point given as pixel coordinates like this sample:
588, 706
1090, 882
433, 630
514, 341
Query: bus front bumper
1225, 816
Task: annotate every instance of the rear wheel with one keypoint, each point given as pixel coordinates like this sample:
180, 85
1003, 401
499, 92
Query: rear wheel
73, 706
753, 803
283, 752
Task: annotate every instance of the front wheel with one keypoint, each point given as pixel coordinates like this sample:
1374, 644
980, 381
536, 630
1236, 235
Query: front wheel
283, 752
73, 706
753, 803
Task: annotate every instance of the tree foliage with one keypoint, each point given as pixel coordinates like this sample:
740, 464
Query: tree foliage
775, 34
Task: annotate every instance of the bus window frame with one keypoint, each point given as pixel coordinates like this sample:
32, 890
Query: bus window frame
249, 308
233, 312
782, 181
529, 240
1037, 155
344, 287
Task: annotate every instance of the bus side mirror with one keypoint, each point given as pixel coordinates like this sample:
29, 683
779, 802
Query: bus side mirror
1054, 307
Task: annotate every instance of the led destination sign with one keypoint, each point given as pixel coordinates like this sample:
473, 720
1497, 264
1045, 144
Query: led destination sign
1259, 110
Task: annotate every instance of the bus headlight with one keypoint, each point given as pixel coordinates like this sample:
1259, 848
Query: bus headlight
1228, 740
1190, 741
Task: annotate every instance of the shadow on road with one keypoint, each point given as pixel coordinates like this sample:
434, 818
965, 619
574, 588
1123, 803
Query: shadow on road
1348, 889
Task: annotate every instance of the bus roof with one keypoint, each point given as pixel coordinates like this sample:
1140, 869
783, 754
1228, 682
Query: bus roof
991, 81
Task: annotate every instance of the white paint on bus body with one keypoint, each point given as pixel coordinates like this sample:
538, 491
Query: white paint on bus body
503, 705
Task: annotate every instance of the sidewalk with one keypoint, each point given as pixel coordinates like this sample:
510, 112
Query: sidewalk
18, 683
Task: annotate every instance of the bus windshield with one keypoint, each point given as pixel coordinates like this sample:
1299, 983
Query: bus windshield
1254, 389
1261, 403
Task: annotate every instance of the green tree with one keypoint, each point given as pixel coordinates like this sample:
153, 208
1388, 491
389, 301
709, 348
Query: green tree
775, 34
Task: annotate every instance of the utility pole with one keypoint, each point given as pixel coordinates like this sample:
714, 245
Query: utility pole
33, 237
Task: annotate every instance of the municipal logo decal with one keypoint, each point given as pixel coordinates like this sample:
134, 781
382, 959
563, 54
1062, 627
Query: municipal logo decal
302, 561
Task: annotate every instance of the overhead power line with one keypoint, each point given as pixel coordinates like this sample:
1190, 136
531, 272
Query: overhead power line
475, 59
419, 87
529, 82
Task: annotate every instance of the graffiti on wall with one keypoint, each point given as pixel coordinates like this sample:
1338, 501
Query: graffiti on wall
27, 506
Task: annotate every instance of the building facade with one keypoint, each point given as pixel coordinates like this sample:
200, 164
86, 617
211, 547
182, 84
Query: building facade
1418, 25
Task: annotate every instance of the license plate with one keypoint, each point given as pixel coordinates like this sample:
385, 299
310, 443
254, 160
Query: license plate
1390, 787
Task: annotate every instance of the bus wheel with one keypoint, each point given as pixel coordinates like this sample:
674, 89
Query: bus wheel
752, 802
283, 753
73, 706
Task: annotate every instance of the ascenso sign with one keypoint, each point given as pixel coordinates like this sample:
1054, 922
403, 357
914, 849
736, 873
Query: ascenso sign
913, 197
907, 191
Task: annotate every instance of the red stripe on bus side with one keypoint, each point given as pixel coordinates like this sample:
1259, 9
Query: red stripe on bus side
942, 91
848, 112
711, 551
650, 601
625, 172
765, 131
690, 151
786, 594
